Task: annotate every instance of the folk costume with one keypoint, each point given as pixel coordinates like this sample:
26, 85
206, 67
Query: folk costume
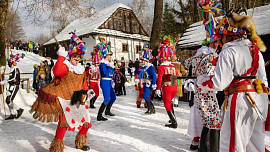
181, 72
147, 76
164, 82
106, 70
14, 83
246, 105
139, 88
93, 76
63, 100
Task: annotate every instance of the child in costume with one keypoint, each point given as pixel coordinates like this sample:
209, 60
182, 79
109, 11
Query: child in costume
107, 79
246, 105
41, 81
148, 78
14, 83
93, 74
63, 100
164, 82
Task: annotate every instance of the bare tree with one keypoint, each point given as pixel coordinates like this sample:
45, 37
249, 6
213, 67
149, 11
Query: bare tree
157, 25
3, 15
14, 30
140, 8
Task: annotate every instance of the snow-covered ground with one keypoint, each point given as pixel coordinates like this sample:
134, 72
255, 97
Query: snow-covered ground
129, 131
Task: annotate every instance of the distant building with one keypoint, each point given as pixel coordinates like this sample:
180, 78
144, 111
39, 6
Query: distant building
116, 23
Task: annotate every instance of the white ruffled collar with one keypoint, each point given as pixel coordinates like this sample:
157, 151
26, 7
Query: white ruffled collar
12, 69
110, 64
166, 63
78, 69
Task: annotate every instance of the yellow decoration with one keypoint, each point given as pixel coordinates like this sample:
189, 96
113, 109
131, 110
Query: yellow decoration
258, 84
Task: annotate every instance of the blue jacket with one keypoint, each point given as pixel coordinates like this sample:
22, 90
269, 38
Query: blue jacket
149, 71
106, 70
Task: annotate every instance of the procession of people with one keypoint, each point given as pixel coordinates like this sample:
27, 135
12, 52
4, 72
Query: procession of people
229, 61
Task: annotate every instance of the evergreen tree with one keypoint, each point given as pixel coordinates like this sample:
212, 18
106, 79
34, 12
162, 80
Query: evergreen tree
169, 24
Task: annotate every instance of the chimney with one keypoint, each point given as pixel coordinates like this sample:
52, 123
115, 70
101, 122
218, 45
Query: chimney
91, 11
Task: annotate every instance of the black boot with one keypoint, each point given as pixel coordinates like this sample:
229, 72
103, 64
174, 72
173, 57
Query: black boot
11, 116
214, 140
100, 111
92, 102
85, 148
150, 108
172, 112
108, 109
204, 141
19, 113
173, 120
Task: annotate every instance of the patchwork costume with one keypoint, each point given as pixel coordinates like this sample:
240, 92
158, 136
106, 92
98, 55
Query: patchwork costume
243, 127
55, 101
106, 70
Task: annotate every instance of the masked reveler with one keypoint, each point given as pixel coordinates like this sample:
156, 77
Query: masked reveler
63, 100
93, 76
246, 104
164, 82
147, 76
106, 69
14, 83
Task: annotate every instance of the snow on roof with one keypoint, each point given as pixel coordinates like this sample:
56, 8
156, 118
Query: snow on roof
195, 34
88, 24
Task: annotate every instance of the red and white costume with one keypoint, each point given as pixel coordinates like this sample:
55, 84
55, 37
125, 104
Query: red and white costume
242, 130
93, 73
169, 90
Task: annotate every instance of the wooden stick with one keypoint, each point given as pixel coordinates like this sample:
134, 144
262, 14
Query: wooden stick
235, 77
2, 89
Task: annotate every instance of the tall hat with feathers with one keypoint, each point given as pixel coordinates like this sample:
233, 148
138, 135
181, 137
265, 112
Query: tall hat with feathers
96, 56
146, 53
236, 24
103, 47
13, 59
167, 47
77, 46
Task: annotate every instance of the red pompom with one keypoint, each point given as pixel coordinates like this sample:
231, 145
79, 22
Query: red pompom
83, 120
86, 107
67, 109
73, 121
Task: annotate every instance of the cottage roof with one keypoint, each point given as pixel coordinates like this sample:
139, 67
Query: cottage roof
89, 24
195, 34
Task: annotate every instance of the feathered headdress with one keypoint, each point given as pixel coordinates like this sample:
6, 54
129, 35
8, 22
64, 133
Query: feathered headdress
77, 46
96, 56
167, 47
146, 53
13, 59
103, 47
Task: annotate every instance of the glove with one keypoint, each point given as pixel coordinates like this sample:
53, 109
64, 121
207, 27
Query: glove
154, 86
189, 85
137, 81
113, 84
90, 94
62, 52
4, 82
158, 93
147, 84
8, 93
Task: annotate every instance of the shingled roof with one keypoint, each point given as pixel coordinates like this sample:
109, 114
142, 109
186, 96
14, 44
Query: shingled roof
195, 34
90, 24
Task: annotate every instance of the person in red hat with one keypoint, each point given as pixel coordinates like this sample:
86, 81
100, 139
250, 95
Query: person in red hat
63, 100
165, 71
93, 74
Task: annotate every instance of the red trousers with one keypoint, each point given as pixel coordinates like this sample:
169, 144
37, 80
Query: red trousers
168, 93
60, 132
95, 87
